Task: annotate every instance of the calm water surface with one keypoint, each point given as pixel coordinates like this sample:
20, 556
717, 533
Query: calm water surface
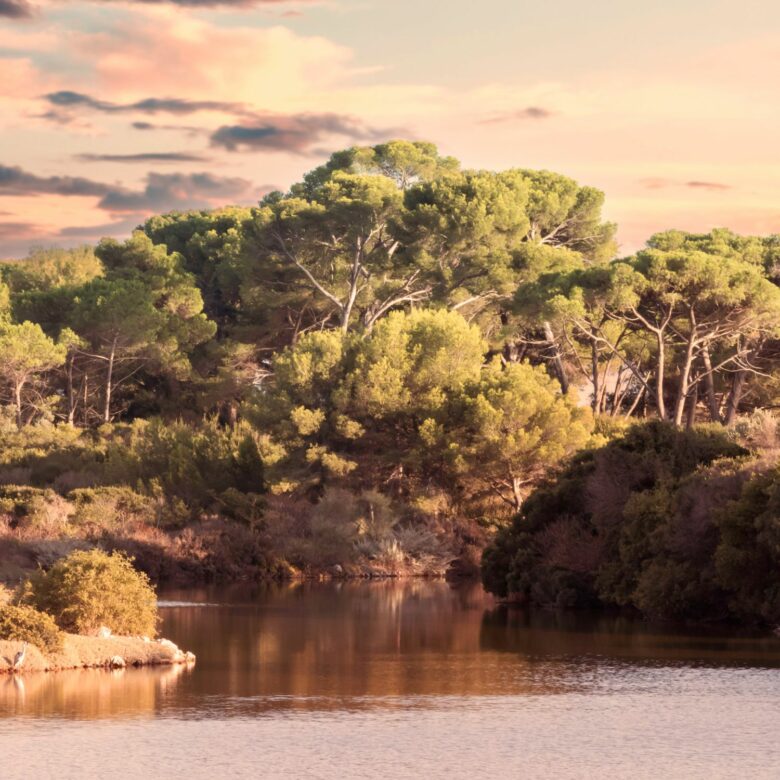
402, 680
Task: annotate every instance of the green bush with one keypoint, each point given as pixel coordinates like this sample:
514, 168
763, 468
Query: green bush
90, 589
636, 523
26, 624
43, 453
111, 508
192, 465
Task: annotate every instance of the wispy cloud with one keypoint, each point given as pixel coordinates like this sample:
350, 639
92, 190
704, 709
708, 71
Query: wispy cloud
164, 192
707, 185
161, 191
654, 183
297, 134
67, 99
530, 112
189, 129
143, 157
16, 181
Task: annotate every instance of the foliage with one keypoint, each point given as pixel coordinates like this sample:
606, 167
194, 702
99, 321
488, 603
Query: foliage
396, 331
633, 523
22, 623
90, 589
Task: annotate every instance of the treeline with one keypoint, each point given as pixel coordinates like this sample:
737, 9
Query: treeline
381, 362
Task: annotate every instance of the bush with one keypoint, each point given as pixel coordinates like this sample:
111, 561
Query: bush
191, 465
33, 511
635, 523
90, 589
111, 508
26, 624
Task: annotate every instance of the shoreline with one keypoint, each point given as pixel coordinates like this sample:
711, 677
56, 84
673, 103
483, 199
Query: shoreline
89, 652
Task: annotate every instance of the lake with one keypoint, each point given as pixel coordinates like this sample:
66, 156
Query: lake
404, 679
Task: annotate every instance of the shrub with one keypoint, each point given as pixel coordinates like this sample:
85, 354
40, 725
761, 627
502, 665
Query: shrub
111, 508
26, 624
191, 464
34, 511
90, 589
634, 523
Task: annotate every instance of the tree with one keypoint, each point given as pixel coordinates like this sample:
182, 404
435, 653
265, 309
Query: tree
411, 365
517, 427
690, 302
296, 412
26, 352
462, 231
672, 310
46, 269
404, 162
145, 313
210, 244
564, 223
340, 247
120, 322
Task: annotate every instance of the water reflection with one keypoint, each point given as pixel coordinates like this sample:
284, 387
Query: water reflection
385, 646
582, 637
89, 693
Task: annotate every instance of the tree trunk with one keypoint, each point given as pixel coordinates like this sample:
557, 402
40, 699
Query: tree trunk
685, 375
732, 405
109, 383
660, 405
560, 370
692, 404
86, 398
518, 496
18, 403
514, 351
709, 386
594, 363
71, 400
639, 396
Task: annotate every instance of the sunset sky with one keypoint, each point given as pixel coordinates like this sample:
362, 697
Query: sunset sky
111, 111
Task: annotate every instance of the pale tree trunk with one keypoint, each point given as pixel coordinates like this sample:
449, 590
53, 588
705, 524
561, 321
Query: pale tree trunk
516, 492
709, 385
71, 400
354, 279
685, 375
18, 402
86, 398
693, 402
594, 362
109, 383
732, 405
560, 370
659, 378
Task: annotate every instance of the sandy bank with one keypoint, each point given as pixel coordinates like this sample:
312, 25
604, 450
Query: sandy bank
93, 652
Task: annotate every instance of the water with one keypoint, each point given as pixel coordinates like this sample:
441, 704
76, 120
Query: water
400, 680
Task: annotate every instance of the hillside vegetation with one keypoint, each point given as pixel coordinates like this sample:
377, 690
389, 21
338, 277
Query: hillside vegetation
370, 373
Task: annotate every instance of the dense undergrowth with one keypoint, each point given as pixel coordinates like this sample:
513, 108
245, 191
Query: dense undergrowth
679, 525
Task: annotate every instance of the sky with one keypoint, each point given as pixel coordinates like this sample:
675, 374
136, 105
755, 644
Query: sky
111, 111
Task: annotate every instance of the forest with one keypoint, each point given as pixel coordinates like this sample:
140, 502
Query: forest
391, 367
